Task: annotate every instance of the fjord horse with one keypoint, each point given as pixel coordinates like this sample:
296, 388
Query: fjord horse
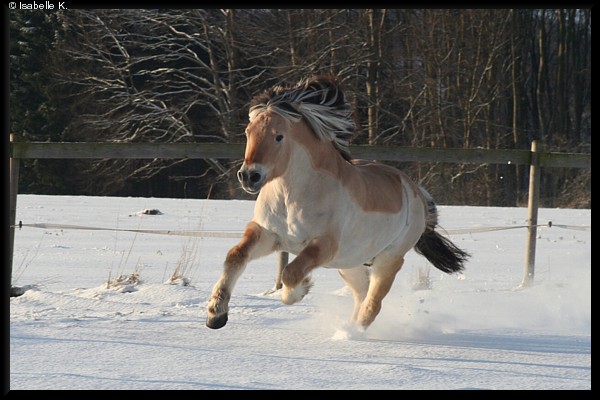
314, 201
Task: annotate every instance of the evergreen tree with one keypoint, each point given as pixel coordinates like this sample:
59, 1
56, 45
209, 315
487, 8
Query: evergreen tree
35, 114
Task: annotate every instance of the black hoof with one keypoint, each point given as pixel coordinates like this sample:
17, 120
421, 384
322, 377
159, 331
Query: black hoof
216, 322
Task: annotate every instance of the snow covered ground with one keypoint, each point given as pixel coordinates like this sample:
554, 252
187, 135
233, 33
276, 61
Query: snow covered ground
78, 327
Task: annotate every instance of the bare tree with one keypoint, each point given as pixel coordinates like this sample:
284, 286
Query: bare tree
418, 77
153, 76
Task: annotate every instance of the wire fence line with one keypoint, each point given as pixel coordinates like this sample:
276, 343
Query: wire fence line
239, 234
534, 158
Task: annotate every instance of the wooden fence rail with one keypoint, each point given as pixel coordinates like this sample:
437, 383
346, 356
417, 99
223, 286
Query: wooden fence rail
76, 150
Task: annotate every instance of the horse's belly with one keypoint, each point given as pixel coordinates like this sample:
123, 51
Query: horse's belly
374, 233
361, 241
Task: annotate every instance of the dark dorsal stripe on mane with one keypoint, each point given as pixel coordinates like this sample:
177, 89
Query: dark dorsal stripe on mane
322, 103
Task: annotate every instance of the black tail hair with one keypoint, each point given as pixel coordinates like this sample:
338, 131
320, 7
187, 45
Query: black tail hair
438, 250
441, 252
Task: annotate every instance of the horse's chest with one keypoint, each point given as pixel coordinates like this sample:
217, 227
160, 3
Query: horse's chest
294, 225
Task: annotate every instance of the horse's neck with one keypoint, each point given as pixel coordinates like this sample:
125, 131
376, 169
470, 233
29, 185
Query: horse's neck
307, 173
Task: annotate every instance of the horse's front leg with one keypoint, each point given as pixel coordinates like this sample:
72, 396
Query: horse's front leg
295, 279
255, 243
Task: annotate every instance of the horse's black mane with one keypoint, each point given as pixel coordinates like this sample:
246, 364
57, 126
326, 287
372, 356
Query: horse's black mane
320, 100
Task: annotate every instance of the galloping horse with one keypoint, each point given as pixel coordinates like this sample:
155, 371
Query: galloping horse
314, 201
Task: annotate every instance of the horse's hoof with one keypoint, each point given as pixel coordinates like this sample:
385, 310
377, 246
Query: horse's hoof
290, 296
216, 322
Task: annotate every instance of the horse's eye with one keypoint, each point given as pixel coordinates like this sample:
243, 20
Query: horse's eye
278, 138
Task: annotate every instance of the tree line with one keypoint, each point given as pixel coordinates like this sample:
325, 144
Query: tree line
485, 78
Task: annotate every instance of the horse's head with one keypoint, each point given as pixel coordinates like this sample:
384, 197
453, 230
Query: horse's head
267, 151
316, 104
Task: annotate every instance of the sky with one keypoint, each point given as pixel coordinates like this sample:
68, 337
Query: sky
108, 309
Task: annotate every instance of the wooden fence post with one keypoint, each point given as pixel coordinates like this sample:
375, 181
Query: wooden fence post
532, 218
14, 185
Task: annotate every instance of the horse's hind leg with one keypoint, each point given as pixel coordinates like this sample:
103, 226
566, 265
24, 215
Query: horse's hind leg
357, 279
383, 273
255, 243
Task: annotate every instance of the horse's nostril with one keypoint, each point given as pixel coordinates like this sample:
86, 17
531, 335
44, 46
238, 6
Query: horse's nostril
254, 177
241, 176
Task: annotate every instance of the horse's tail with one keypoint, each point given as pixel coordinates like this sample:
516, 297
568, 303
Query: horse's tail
440, 251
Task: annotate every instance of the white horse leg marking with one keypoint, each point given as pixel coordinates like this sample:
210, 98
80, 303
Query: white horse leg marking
291, 295
357, 279
296, 283
255, 243
383, 273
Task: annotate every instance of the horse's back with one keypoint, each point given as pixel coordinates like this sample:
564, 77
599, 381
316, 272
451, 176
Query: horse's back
378, 187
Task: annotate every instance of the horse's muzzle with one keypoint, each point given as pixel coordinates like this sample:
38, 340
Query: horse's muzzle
251, 177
